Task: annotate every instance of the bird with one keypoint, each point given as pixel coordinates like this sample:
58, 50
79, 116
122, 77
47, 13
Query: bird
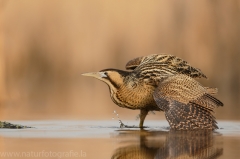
163, 82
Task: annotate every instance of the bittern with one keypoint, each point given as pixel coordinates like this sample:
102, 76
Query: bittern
162, 82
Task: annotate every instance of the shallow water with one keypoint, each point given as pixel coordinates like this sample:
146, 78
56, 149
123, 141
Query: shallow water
104, 139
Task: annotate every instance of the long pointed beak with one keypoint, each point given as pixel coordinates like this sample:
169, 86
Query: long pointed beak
97, 75
92, 74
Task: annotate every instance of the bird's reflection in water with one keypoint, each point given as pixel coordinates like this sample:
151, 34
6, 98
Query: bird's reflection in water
172, 144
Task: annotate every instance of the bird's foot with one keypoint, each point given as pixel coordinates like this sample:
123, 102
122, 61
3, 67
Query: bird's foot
122, 125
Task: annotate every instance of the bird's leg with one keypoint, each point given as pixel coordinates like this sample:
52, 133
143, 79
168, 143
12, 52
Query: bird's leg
143, 114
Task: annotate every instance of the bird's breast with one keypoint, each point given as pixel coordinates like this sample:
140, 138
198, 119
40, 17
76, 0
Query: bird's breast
134, 97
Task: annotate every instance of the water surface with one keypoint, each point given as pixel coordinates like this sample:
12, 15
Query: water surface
104, 139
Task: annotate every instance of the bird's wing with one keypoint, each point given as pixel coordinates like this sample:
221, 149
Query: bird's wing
189, 116
186, 104
185, 89
132, 64
163, 64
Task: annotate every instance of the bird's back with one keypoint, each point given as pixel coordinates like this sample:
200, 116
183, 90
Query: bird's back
161, 65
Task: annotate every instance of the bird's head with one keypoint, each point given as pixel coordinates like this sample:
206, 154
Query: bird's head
112, 77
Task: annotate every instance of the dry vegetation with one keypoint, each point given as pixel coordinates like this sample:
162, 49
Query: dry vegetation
46, 45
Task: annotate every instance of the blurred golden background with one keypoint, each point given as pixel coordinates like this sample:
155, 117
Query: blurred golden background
46, 45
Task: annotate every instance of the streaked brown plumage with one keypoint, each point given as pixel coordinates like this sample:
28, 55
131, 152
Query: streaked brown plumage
163, 83
201, 144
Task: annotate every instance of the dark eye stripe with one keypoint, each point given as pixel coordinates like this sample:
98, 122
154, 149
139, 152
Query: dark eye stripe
112, 82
